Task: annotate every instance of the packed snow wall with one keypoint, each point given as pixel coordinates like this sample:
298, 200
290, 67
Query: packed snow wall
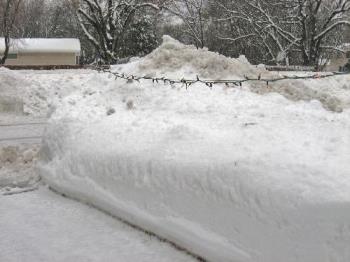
228, 174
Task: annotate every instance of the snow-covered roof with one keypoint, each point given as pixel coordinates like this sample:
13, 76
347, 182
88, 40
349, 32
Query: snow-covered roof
42, 45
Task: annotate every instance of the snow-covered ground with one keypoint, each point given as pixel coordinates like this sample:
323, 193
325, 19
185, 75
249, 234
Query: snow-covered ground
35, 223
43, 226
34, 93
17, 172
39, 225
258, 173
20, 139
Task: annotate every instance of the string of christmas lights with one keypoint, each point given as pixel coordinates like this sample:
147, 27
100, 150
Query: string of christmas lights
210, 83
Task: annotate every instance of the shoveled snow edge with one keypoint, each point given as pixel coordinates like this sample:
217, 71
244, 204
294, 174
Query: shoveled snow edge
170, 230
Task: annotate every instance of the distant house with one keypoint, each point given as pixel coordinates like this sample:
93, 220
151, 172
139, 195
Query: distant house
42, 51
336, 63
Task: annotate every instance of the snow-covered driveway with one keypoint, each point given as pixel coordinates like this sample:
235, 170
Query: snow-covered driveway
43, 226
20, 139
17, 130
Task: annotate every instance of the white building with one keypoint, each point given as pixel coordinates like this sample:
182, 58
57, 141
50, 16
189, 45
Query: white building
42, 51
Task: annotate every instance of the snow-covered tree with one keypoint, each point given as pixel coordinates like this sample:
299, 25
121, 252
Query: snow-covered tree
320, 22
194, 17
285, 27
9, 11
140, 39
30, 27
106, 23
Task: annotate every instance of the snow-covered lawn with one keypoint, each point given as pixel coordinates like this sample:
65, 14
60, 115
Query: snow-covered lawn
43, 226
258, 173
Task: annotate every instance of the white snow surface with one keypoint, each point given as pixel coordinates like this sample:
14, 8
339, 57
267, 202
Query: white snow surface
43, 226
17, 168
36, 93
173, 59
20, 139
251, 174
42, 45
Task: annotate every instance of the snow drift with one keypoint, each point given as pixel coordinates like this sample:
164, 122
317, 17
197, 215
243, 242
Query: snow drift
172, 56
20, 95
177, 60
229, 174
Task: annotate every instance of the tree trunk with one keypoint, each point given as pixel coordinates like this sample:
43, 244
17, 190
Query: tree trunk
7, 49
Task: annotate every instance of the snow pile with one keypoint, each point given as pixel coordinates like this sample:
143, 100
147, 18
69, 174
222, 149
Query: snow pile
173, 59
21, 95
16, 168
173, 56
333, 93
9, 78
228, 174
9, 101
35, 93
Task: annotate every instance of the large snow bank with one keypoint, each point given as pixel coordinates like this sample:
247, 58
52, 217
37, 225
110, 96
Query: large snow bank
177, 60
229, 174
172, 56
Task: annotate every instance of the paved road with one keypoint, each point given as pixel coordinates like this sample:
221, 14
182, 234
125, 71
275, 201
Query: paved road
21, 130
